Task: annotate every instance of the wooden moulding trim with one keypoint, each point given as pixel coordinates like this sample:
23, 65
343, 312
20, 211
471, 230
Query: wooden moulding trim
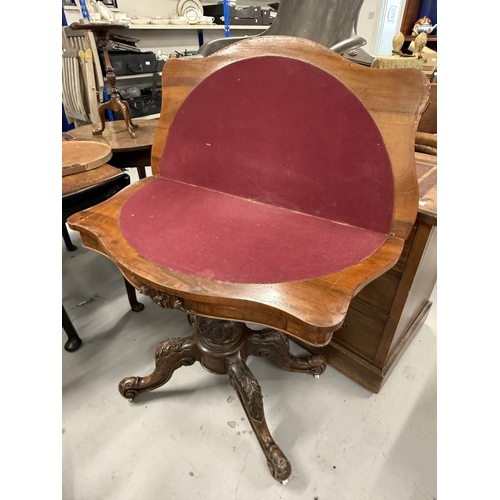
395, 98
310, 309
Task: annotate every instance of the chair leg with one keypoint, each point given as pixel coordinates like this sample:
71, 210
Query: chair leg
74, 341
132, 297
222, 348
67, 239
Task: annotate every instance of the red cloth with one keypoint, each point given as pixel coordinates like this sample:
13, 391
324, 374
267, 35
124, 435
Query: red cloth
272, 171
283, 132
218, 236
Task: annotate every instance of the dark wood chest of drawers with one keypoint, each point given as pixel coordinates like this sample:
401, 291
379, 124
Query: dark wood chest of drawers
385, 316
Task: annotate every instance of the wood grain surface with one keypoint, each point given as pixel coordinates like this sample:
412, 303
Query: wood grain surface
310, 310
116, 136
78, 157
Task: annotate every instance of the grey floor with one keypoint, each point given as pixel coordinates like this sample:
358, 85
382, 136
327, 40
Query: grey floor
190, 438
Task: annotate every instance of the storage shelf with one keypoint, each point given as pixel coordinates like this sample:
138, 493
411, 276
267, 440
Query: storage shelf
430, 38
198, 27
139, 75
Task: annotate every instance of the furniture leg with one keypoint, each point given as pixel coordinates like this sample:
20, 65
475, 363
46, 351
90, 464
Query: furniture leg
170, 355
67, 239
74, 341
132, 297
275, 346
101, 109
142, 172
250, 395
128, 116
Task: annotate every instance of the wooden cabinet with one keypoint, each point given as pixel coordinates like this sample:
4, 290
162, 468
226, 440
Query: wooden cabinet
385, 316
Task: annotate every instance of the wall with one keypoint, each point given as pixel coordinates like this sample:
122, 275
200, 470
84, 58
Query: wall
369, 23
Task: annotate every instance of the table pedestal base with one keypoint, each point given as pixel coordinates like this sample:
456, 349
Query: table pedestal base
222, 348
116, 104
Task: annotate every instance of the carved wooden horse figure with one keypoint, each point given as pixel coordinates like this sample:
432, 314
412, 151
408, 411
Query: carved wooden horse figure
283, 182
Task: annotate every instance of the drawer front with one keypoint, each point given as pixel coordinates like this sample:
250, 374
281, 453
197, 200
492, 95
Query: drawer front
380, 293
362, 330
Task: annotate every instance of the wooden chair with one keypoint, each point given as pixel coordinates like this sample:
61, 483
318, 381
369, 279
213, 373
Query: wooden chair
283, 182
332, 23
82, 86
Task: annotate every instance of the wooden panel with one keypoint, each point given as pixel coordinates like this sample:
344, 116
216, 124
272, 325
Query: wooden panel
422, 286
400, 265
362, 330
420, 242
410, 16
380, 293
428, 121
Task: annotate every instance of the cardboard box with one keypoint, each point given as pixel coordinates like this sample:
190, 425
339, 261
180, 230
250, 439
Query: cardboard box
430, 59
430, 62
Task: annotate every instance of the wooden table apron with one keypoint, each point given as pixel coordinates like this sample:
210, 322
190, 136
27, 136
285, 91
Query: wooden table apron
385, 316
127, 152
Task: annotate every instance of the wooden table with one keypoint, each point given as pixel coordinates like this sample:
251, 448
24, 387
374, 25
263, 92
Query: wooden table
80, 191
127, 151
385, 316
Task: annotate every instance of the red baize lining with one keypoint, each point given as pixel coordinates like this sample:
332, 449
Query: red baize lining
253, 145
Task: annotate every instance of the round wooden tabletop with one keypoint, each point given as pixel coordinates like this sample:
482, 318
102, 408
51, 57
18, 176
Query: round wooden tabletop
116, 135
79, 156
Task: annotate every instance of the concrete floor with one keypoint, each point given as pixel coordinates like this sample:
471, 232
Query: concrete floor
191, 439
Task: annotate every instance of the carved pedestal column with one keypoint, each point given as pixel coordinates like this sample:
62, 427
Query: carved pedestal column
222, 347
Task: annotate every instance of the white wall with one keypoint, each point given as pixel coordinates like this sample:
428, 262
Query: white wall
369, 23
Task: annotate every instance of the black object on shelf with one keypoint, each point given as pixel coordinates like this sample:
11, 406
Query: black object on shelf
148, 103
131, 62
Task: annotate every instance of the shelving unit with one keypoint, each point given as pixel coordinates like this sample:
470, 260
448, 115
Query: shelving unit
411, 14
198, 27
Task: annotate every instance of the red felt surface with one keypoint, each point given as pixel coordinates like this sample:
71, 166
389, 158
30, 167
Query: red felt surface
283, 132
218, 236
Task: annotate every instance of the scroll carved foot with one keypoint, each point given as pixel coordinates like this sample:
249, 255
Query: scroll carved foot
100, 130
250, 395
275, 346
170, 355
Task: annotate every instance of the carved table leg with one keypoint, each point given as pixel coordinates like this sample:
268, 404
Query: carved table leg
170, 355
250, 395
275, 346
